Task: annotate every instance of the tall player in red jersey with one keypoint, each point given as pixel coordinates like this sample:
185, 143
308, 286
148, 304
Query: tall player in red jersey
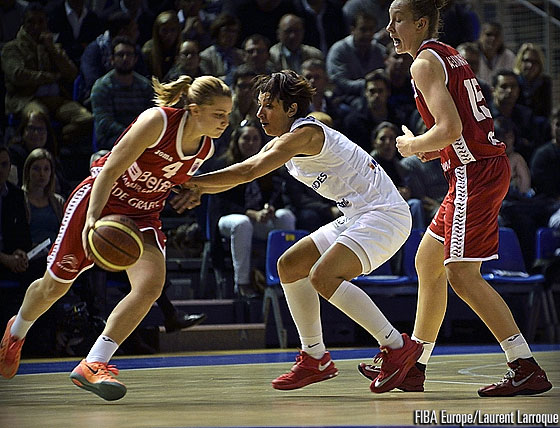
161, 149
464, 232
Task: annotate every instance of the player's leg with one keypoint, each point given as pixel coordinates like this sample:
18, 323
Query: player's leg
39, 297
146, 277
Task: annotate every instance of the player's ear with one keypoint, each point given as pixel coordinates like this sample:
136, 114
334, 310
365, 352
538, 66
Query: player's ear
421, 23
292, 110
194, 109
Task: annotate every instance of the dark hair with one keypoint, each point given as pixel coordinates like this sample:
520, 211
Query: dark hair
51, 144
365, 16
257, 38
470, 47
378, 74
34, 7
233, 154
244, 70
221, 21
382, 126
117, 21
504, 72
3, 148
122, 40
289, 87
429, 9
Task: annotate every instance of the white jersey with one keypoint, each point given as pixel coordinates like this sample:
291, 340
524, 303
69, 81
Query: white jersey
345, 173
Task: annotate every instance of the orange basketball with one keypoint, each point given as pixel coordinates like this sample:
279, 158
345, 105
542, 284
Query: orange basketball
115, 242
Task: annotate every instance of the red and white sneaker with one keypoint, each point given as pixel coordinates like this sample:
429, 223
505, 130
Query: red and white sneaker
412, 382
395, 364
98, 378
524, 377
305, 371
10, 352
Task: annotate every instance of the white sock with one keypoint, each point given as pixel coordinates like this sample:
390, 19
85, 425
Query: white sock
516, 347
304, 305
20, 327
427, 351
102, 350
355, 303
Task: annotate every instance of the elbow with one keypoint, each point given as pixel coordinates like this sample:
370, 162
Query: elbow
454, 131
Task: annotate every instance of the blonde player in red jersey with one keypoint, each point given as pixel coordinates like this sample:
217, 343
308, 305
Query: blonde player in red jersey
464, 232
161, 149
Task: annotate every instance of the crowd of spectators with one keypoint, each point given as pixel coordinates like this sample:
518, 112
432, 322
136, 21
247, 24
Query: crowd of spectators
75, 73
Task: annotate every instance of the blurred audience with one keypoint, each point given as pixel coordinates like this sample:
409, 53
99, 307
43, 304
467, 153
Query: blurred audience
315, 70
137, 9
38, 73
97, 58
75, 26
120, 96
323, 21
223, 57
377, 8
257, 54
289, 53
350, 59
494, 55
471, 53
194, 21
160, 51
11, 18
460, 23
536, 86
187, 62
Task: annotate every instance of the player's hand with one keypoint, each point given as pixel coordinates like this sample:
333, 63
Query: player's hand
404, 143
89, 224
186, 198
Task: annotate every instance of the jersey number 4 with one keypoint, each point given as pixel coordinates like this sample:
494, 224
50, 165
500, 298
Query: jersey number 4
480, 111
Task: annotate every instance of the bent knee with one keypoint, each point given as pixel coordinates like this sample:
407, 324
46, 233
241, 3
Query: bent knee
463, 277
290, 269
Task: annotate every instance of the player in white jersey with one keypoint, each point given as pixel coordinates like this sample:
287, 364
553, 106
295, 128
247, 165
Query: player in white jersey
375, 224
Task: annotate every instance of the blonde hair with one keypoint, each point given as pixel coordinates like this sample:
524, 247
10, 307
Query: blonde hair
201, 90
157, 53
528, 47
36, 155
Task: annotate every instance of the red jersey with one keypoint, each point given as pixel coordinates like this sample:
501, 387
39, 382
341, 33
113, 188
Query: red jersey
477, 140
143, 188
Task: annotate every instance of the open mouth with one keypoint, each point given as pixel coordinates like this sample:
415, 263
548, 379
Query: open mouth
396, 41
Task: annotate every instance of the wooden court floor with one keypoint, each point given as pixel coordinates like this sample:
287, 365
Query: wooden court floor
220, 391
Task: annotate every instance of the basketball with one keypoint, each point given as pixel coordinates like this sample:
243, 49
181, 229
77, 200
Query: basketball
115, 242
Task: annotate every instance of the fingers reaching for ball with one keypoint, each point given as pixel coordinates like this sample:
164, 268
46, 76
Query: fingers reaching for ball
89, 225
186, 198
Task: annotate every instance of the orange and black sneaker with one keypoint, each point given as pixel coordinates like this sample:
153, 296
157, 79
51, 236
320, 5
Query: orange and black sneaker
395, 364
98, 378
10, 352
524, 377
412, 382
305, 371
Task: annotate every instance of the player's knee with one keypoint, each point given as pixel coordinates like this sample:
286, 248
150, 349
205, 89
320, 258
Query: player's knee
321, 279
289, 270
461, 278
51, 290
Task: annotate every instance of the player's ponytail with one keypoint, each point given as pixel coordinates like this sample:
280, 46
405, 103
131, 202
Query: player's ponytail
169, 94
201, 90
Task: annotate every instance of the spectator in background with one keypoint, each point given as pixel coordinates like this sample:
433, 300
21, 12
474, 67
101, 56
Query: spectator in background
536, 86
377, 8
76, 26
258, 16
384, 151
120, 96
350, 59
530, 131
494, 55
187, 62
97, 58
37, 72
248, 211
11, 18
194, 22
323, 101
244, 102
289, 53
143, 16
371, 109
471, 53
460, 23
397, 67
15, 238
257, 54
44, 205
222, 58
160, 51
323, 21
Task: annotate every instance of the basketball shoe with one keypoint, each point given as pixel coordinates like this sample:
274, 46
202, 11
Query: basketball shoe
524, 377
412, 382
305, 371
395, 364
98, 378
10, 352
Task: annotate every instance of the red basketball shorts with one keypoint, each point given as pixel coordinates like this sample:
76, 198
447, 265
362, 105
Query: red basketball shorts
467, 220
67, 259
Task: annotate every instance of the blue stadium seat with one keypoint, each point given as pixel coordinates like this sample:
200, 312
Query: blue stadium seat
508, 275
278, 242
